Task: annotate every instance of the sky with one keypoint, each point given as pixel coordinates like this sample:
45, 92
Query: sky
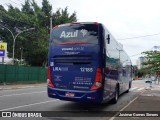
125, 19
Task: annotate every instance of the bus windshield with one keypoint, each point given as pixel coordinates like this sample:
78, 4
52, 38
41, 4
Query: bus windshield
75, 33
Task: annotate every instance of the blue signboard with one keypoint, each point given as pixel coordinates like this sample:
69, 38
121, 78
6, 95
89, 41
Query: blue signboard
2, 53
3, 49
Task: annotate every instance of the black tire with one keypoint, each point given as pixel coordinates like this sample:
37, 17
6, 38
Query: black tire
116, 95
128, 88
127, 91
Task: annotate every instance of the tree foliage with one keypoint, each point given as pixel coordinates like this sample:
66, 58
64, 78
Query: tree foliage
153, 60
35, 42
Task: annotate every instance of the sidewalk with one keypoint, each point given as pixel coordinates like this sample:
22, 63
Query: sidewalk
145, 107
21, 86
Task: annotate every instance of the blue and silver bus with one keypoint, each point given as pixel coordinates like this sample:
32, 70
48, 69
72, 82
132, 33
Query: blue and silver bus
86, 64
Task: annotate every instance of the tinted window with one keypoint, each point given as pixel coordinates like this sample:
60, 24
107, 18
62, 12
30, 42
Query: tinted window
85, 33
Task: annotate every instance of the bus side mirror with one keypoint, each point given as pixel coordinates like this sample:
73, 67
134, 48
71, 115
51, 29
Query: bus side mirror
108, 39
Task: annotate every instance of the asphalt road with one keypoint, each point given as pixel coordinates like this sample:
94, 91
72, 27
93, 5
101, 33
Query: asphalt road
36, 99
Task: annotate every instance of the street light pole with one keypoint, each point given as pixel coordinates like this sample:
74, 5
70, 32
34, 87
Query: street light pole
14, 39
8, 30
21, 54
51, 23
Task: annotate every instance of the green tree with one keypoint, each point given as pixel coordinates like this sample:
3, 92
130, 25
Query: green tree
46, 8
34, 43
26, 8
62, 16
153, 61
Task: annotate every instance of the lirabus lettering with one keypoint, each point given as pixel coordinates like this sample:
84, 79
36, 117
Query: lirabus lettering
60, 68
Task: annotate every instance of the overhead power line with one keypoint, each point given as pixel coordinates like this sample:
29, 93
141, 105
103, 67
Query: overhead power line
135, 55
139, 36
153, 48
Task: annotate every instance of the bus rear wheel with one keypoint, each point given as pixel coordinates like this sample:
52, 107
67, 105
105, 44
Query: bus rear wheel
116, 95
129, 86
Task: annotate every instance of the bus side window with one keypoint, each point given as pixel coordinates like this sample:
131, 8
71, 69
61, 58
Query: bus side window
124, 72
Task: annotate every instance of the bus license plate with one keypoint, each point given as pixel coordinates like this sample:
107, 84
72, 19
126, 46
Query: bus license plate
68, 94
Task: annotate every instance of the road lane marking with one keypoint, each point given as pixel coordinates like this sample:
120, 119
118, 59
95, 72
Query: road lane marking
136, 89
21, 94
133, 88
141, 89
22, 87
30, 87
112, 118
28, 105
